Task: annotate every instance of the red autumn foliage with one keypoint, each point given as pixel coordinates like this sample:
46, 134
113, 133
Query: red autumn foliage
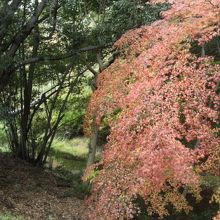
169, 119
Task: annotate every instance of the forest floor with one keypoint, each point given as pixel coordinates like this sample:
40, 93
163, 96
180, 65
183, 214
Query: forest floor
57, 192
41, 194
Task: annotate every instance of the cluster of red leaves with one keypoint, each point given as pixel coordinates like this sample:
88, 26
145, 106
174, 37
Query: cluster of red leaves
169, 113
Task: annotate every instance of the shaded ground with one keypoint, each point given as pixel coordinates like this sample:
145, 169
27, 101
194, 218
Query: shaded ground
34, 193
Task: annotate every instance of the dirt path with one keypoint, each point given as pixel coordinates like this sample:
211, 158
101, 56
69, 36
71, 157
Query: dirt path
36, 194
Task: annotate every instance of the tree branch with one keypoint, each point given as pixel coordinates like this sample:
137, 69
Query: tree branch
45, 96
60, 57
94, 72
54, 24
23, 34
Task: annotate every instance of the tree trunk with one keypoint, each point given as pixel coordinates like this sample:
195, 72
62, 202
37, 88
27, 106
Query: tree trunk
93, 144
94, 135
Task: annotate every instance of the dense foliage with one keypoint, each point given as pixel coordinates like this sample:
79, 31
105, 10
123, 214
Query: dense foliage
38, 72
47, 49
161, 99
119, 16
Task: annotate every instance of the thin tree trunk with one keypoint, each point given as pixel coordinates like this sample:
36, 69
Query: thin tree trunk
94, 135
28, 86
203, 51
93, 144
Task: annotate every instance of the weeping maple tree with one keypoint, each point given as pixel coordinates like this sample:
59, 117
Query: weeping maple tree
161, 100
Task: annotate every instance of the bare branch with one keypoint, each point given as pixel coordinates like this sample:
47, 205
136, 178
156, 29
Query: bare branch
212, 3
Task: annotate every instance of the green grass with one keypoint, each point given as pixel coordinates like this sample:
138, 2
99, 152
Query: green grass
71, 154
68, 159
76, 147
9, 217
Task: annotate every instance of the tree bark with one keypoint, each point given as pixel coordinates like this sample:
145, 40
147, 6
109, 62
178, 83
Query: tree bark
93, 144
94, 135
